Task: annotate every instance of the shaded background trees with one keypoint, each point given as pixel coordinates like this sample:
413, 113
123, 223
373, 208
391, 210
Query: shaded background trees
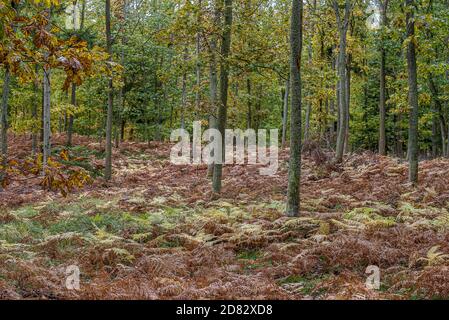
165, 57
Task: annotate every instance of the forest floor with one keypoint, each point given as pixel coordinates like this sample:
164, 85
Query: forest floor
156, 232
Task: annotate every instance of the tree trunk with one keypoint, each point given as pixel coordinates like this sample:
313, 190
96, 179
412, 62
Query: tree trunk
257, 107
69, 122
248, 102
213, 81
437, 117
412, 94
382, 89
434, 135
46, 104
309, 104
46, 118
443, 136
294, 169
71, 117
447, 146
249, 111
447, 108
342, 85
4, 127
348, 102
34, 133
184, 93
122, 129
285, 111
224, 84
198, 65
307, 122
121, 93
108, 161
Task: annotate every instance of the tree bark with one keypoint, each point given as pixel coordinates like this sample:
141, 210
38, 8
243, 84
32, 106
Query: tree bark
34, 133
249, 114
342, 85
198, 65
447, 108
309, 104
307, 121
69, 123
438, 117
213, 82
46, 118
46, 104
108, 160
121, 93
71, 117
184, 93
443, 136
224, 84
434, 134
285, 111
4, 127
382, 89
348, 102
412, 94
294, 170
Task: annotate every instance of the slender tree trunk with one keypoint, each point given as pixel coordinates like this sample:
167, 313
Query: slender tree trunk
213, 82
71, 117
46, 118
334, 106
342, 85
294, 170
68, 123
447, 145
443, 135
158, 89
108, 161
383, 90
62, 125
46, 104
285, 111
212, 125
332, 123
307, 122
184, 93
257, 107
122, 129
413, 93
121, 93
4, 127
348, 102
434, 134
224, 84
447, 107
341, 104
249, 114
249, 111
147, 136
42, 118
399, 137
437, 117
309, 104
198, 66
326, 121
34, 133
83, 14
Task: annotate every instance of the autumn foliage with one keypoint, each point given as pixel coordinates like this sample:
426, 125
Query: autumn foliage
154, 232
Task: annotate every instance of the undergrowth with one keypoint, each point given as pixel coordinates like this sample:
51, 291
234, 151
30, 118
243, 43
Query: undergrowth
156, 232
